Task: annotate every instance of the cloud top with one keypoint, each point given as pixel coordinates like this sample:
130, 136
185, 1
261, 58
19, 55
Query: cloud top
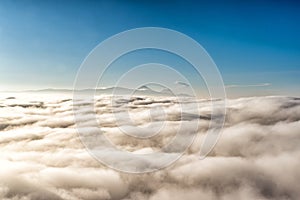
43, 158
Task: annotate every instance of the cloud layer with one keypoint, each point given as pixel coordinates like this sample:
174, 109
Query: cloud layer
42, 157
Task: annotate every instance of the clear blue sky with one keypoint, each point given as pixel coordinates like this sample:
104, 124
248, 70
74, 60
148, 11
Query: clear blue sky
42, 43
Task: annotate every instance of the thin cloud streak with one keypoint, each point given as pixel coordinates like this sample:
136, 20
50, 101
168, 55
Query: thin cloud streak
182, 83
244, 86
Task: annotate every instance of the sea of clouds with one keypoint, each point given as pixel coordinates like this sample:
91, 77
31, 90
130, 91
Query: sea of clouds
42, 156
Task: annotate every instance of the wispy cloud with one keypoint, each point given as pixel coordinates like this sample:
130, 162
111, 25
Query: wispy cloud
182, 83
253, 85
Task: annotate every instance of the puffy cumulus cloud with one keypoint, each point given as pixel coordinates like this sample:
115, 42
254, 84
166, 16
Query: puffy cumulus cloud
42, 157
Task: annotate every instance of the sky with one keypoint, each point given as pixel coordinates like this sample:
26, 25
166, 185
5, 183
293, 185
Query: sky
256, 45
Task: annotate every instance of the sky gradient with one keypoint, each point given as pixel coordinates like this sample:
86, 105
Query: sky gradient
256, 45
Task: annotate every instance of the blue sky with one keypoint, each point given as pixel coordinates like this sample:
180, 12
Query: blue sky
43, 43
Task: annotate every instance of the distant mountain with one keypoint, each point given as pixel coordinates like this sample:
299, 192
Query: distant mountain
145, 88
167, 91
48, 90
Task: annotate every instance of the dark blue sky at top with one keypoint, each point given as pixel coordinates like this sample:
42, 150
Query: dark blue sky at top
42, 43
